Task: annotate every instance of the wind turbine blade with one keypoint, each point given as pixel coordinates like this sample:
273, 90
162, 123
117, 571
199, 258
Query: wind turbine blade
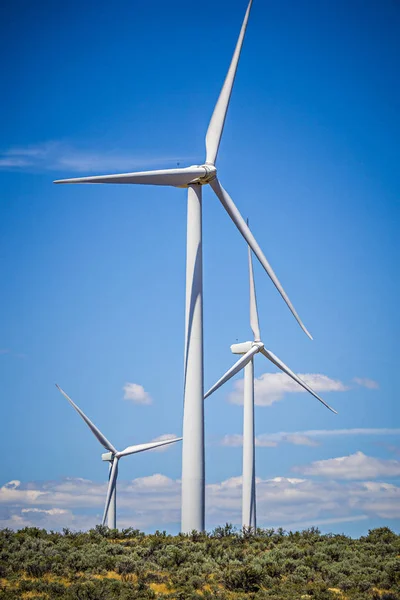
102, 439
174, 177
240, 223
240, 364
216, 126
281, 365
254, 324
112, 481
143, 447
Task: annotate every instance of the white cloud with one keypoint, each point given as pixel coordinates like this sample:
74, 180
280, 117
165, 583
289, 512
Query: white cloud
54, 518
272, 387
233, 440
300, 440
33, 151
270, 441
161, 438
12, 485
153, 502
318, 522
312, 502
51, 511
7, 351
58, 155
383, 499
368, 383
305, 438
351, 431
354, 466
6, 163
136, 393
141, 502
153, 482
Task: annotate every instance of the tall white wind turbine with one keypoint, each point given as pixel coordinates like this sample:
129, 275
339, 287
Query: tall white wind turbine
193, 178
248, 350
112, 457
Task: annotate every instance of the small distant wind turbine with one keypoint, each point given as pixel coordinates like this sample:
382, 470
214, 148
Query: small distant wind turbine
113, 456
194, 178
249, 350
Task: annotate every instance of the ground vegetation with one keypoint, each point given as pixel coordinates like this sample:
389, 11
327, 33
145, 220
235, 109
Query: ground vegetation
104, 564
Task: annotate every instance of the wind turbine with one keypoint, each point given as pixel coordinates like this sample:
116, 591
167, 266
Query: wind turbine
248, 350
193, 178
113, 456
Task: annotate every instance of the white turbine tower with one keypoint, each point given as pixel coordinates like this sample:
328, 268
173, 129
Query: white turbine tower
193, 178
113, 456
249, 350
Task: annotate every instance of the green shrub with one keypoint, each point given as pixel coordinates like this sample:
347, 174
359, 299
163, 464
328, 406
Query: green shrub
246, 578
271, 565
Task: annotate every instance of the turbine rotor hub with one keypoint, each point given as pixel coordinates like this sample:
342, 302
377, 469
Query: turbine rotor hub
210, 174
244, 347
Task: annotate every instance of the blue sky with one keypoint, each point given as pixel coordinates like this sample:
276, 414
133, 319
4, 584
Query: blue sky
93, 276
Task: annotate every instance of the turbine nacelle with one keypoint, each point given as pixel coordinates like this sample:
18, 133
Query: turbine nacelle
241, 348
244, 347
107, 456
